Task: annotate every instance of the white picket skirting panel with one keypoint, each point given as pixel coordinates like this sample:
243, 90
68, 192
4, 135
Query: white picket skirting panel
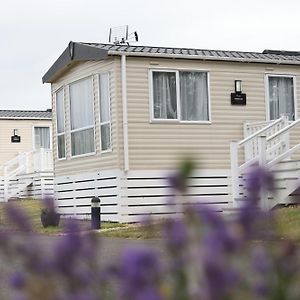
149, 193
73, 194
129, 197
36, 186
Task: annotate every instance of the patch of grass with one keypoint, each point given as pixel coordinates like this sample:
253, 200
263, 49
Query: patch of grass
288, 222
32, 209
134, 231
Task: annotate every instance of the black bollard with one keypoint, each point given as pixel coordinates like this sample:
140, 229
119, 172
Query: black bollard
95, 213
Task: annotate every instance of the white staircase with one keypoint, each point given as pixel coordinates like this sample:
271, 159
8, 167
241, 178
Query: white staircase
267, 144
22, 171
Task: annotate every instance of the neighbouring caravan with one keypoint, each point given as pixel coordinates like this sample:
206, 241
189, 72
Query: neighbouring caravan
123, 116
26, 163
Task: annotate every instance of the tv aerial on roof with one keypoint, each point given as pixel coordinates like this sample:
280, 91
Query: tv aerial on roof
119, 35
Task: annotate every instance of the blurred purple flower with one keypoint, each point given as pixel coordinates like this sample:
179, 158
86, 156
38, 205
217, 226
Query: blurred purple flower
258, 178
261, 261
262, 289
220, 277
19, 218
139, 273
17, 280
175, 234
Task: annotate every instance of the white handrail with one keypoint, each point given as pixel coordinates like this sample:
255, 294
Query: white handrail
32, 161
266, 150
283, 130
282, 156
259, 132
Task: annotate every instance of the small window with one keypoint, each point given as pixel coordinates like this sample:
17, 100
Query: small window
60, 122
41, 137
180, 95
281, 97
82, 117
105, 122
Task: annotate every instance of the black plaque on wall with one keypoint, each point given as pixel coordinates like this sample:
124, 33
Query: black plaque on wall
238, 99
15, 139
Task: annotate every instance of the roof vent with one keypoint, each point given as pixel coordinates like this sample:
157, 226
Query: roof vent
49, 110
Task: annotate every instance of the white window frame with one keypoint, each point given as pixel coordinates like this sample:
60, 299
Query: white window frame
109, 110
33, 134
178, 120
83, 128
64, 132
267, 100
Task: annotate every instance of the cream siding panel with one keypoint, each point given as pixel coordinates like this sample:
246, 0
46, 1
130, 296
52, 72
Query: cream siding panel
99, 161
10, 150
161, 145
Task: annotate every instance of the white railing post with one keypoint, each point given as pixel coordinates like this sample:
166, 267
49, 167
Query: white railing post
286, 137
262, 160
42, 159
248, 146
234, 172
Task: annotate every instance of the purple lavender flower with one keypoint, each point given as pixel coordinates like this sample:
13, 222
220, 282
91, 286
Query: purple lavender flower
220, 278
178, 180
18, 217
17, 281
261, 261
67, 249
259, 178
175, 234
139, 273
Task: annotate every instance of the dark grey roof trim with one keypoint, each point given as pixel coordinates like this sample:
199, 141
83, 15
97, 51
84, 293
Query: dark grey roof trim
282, 52
26, 114
96, 51
73, 53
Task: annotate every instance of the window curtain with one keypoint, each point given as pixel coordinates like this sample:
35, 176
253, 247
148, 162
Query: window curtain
164, 95
42, 137
105, 113
82, 117
105, 137
60, 111
281, 97
81, 101
61, 146
82, 142
193, 96
104, 99
60, 124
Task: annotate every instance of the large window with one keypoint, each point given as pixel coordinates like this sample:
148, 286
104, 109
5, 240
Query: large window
281, 96
180, 95
60, 122
105, 123
82, 117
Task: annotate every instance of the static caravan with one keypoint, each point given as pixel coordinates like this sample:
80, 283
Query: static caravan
26, 168
123, 116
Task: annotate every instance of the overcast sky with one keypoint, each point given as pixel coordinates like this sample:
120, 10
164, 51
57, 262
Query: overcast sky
33, 33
